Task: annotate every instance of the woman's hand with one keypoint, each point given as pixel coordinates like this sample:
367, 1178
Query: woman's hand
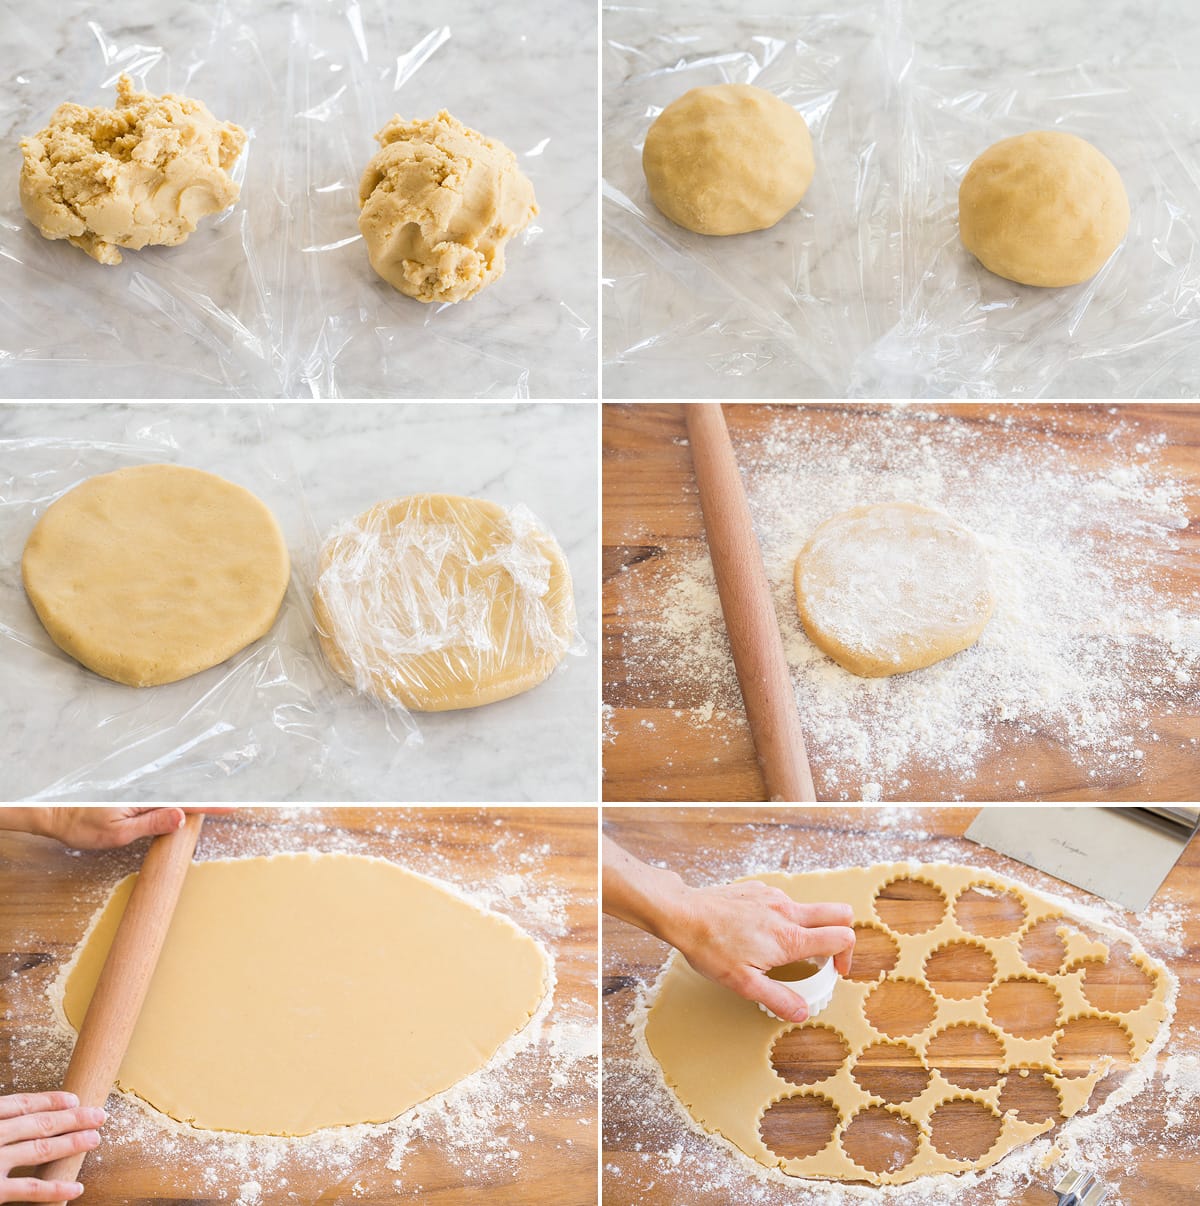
98, 828
36, 1128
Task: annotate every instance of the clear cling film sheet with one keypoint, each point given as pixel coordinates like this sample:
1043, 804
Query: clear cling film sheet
403, 614
865, 289
275, 296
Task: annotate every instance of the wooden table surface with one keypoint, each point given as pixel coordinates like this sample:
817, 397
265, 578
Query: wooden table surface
47, 896
703, 844
652, 753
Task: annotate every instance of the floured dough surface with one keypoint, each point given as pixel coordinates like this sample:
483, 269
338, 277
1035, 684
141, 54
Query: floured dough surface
306, 991
892, 587
145, 172
156, 572
439, 202
715, 1048
436, 601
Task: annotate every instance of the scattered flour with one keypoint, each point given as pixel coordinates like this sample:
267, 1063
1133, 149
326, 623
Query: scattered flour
1086, 649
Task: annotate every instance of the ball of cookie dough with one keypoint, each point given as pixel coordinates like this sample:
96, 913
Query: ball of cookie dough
143, 173
1044, 208
439, 201
893, 587
727, 159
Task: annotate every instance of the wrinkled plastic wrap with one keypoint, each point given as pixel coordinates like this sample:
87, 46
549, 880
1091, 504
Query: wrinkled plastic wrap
435, 602
274, 702
865, 289
275, 296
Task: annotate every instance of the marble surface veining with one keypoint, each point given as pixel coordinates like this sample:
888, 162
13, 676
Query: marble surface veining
273, 723
275, 297
865, 289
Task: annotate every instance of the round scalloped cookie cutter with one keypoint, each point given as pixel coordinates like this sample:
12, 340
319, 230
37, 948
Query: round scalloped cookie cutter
814, 986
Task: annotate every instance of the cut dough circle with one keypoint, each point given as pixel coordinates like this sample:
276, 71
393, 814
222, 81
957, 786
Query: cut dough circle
727, 159
437, 602
156, 572
439, 201
715, 1047
307, 991
892, 587
1045, 208
143, 173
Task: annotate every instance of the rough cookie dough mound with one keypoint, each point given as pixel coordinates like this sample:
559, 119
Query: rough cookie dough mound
439, 201
145, 172
437, 602
727, 159
1044, 208
892, 587
150, 574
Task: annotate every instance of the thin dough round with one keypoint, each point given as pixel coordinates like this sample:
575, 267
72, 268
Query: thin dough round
715, 1047
156, 572
436, 602
299, 992
893, 587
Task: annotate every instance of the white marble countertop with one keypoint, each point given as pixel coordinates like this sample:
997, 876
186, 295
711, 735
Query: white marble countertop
864, 289
273, 723
275, 297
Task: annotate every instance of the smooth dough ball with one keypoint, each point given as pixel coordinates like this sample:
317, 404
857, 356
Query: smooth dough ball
150, 574
892, 587
143, 173
436, 602
439, 201
727, 159
1042, 209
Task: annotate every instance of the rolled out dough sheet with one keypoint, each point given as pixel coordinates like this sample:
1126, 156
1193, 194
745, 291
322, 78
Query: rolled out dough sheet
298, 992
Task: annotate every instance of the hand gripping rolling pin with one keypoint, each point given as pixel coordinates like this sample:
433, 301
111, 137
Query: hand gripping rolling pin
748, 608
121, 990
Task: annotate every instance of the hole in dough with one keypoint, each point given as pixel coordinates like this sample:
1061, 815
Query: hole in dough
799, 1126
893, 1071
807, 1054
960, 970
881, 1140
899, 1008
1042, 948
1086, 1040
1024, 1008
910, 906
1119, 985
963, 1129
989, 912
1030, 1094
875, 953
968, 1056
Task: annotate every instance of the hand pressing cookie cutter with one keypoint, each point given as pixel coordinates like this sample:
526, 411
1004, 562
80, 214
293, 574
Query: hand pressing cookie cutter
816, 989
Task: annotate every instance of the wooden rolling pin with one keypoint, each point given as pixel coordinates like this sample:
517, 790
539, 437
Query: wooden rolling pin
748, 608
121, 989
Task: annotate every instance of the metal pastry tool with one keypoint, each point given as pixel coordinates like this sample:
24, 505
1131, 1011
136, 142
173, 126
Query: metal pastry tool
1080, 1189
1121, 854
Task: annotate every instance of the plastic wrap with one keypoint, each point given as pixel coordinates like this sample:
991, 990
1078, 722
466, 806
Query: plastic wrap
275, 296
436, 602
865, 289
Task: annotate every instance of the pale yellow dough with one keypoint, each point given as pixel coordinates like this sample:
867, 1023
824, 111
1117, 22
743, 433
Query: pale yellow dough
153, 573
437, 602
438, 203
1044, 208
308, 991
893, 587
727, 159
715, 1047
145, 172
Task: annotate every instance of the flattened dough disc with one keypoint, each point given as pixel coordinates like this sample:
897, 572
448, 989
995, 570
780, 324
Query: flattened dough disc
153, 573
892, 587
436, 602
307, 991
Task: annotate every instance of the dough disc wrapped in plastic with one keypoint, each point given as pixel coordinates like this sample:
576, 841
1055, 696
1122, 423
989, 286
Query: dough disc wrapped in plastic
436, 602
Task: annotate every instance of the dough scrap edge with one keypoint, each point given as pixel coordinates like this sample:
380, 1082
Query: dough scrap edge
1046, 1150
522, 1039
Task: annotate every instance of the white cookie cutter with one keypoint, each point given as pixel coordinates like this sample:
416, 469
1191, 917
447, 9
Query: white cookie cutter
817, 989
